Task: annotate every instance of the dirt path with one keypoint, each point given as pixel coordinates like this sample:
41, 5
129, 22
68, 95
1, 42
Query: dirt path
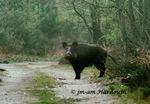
81, 90
17, 76
14, 81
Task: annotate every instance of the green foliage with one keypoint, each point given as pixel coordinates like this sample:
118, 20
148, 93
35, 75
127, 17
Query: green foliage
27, 26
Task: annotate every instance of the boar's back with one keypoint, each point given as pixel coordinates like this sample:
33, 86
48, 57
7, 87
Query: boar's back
89, 53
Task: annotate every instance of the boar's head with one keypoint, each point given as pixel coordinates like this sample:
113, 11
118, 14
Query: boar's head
70, 50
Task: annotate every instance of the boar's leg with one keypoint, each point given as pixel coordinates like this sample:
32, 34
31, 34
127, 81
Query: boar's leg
77, 70
102, 73
101, 67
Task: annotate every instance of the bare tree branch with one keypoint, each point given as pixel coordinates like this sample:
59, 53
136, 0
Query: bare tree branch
82, 17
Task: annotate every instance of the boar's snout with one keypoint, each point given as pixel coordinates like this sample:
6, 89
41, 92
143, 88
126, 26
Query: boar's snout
68, 54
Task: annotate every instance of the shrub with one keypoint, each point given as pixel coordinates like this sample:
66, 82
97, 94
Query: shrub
137, 73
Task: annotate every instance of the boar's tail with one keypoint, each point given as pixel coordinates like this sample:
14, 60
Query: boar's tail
113, 59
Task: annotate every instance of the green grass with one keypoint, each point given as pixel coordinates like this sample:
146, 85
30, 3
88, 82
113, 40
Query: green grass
41, 88
134, 97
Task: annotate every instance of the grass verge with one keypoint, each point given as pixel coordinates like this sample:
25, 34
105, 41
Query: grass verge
113, 83
41, 88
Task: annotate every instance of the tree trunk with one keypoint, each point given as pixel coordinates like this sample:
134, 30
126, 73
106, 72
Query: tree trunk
122, 25
147, 22
95, 21
134, 26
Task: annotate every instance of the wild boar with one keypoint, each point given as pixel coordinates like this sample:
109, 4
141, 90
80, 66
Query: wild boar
83, 55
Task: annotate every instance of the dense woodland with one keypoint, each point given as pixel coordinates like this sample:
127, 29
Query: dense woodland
37, 27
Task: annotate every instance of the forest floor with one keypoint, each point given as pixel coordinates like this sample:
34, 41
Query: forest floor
17, 77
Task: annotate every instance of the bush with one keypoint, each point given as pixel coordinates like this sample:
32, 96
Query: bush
137, 73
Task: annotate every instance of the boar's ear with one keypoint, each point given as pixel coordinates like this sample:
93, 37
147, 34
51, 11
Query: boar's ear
64, 44
74, 44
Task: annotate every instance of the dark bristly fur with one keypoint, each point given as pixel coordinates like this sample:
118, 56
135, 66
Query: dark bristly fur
83, 55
